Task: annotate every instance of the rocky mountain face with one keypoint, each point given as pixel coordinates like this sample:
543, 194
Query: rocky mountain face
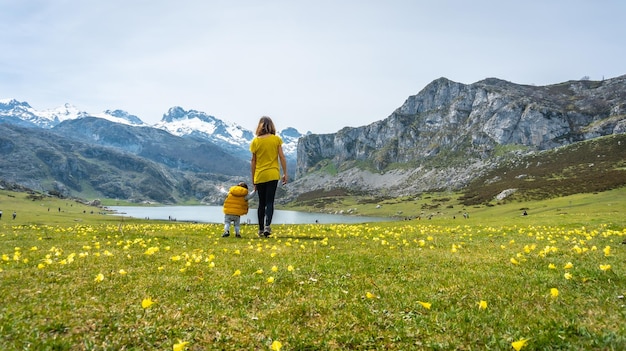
449, 133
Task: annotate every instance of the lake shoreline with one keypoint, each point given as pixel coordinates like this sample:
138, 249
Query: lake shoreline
214, 214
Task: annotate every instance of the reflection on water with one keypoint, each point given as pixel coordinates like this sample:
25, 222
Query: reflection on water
214, 214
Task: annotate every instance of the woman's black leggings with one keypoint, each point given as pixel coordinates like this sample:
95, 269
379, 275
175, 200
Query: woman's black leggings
266, 193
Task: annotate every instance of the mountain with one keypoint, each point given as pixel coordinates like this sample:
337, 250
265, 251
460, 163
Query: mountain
199, 125
42, 160
197, 155
21, 113
120, 116
451, 133
154, 144
192, 124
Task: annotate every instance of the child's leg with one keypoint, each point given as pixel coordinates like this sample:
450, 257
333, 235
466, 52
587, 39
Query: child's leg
237, 221
226, 224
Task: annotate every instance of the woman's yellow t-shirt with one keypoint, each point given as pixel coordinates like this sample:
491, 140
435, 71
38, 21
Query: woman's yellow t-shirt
266, 150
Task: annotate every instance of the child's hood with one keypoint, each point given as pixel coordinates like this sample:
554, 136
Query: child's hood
238, 191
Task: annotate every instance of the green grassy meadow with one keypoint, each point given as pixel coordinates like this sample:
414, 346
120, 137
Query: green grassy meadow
553, 280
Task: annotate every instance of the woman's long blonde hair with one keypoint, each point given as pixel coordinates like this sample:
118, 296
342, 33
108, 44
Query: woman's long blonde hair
266, 126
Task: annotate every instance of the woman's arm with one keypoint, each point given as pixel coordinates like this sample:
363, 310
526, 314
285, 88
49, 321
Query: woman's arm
253, 168
283, 163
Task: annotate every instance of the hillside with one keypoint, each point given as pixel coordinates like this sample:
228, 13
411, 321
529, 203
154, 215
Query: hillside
178, 153
591, 166
585, 167
48, 161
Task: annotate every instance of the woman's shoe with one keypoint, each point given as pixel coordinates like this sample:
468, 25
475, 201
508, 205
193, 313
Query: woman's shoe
267, 231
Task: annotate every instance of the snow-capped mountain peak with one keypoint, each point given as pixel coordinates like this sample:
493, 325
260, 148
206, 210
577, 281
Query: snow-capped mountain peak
290, 138
22, 113
194, 123
11, 103
62, 113
120, 116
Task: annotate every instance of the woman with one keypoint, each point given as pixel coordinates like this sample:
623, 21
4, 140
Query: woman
266, 150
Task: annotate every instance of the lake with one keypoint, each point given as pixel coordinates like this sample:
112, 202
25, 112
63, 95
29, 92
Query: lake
214, 214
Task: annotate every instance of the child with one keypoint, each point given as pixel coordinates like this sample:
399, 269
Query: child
235, 206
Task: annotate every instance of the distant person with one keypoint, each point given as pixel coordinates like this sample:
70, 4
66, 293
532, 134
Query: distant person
267, 151
235, 206
524, 213
14, 214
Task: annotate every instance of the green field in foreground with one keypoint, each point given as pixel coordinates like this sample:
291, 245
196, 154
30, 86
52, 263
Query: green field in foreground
555, 279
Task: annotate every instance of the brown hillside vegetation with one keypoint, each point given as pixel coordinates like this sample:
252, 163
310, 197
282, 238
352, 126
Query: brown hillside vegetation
585, 167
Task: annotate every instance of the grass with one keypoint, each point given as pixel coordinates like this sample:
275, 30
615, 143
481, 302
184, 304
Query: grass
72, 280
583, 208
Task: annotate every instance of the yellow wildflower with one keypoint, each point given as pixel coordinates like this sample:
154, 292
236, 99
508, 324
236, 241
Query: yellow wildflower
554, 292
180, 346
517, 345
426, 305
276, 345
146, 303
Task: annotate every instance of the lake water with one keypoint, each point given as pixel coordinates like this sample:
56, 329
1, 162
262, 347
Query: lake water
214, 214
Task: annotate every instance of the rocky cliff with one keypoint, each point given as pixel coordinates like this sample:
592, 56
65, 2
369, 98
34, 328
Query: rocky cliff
449, 132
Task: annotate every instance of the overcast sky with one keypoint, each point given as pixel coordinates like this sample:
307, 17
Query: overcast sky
316, 65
